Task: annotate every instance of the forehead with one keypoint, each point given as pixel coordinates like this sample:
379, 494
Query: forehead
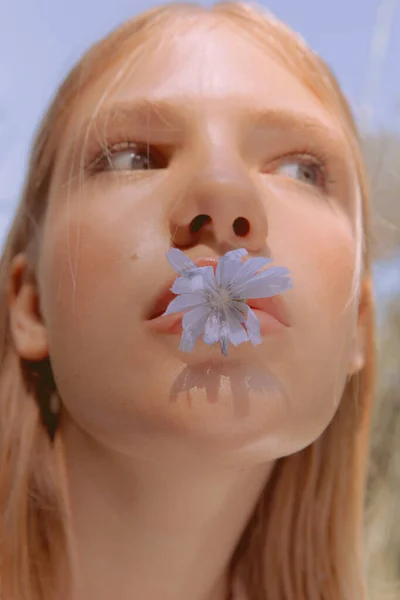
204, 68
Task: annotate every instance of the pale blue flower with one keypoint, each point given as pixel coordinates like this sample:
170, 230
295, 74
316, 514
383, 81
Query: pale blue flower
215, 302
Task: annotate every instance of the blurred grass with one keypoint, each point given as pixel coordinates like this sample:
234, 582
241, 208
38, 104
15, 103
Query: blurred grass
382, 154
383, 491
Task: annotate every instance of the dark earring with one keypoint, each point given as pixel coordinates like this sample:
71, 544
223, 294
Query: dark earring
40, 381
50, 414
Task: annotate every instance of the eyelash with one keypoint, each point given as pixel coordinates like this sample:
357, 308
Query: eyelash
99, 162
308, 156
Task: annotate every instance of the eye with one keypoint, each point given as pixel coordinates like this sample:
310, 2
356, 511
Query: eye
129, 157
305, 169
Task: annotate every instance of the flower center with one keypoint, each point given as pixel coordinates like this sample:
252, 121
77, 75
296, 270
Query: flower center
221, 299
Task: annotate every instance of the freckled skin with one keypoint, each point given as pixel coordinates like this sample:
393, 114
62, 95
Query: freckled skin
103, 260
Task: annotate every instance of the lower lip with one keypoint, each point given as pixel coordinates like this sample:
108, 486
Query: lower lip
172, 324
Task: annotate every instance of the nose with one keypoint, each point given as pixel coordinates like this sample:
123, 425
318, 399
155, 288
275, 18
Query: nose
221, 206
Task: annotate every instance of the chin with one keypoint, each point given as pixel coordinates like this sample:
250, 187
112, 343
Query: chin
227, 411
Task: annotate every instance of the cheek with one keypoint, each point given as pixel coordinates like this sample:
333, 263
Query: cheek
325, 265
314, 239
316, 242
90, 243
85, 254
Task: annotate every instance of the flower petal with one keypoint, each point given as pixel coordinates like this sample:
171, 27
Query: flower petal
270, 282
228, 265
209, 278
211, 329
224, 335
195, 319
187, 341
237, 333
235, 255
188, 285
225, 272
184, 302
249, 268
193, 324
240, 309
179, 261
253, 327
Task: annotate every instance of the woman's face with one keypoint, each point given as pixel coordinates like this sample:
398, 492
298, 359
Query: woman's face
206, 124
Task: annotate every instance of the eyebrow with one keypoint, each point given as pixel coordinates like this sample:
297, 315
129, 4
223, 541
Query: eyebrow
297, 122
162, 114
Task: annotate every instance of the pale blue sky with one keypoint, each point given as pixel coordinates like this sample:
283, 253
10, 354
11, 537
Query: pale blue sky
41, 39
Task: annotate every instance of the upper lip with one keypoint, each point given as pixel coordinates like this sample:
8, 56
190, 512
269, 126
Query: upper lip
272, 306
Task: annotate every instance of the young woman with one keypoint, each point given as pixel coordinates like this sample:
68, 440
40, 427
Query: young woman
132, 469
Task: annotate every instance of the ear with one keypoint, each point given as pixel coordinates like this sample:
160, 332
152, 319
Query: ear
26, 324
358, 357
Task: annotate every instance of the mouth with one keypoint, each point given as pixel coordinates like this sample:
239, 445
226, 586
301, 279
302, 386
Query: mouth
270, 311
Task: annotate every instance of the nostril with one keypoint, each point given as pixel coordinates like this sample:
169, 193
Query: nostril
241, 226
198, 222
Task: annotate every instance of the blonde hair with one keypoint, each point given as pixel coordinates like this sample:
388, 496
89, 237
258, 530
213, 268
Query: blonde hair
304, 540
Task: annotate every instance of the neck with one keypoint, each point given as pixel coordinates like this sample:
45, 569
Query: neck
152, 529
